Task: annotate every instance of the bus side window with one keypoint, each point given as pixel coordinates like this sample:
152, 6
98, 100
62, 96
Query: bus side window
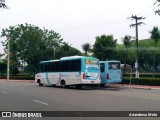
110, 67
57, 66
45, 67
54, 67
64, 66
75, 65
102, 67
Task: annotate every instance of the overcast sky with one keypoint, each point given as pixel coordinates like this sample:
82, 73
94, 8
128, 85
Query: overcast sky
80, 21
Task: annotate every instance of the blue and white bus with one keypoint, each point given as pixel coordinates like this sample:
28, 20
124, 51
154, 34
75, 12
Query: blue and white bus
110, 72
69, 71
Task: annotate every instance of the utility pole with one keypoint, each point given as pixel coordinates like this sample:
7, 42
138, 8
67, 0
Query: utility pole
136, 26
54, 53
4, 6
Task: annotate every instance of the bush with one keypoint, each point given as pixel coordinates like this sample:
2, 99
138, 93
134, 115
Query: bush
19, 77
157, 75
143, 81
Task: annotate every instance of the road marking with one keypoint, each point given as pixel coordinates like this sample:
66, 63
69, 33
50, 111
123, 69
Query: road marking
40, 102
4, 92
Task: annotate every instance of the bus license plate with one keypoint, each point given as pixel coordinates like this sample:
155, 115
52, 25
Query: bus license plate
92, 81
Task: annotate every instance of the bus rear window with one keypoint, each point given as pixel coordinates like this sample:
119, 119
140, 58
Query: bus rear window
91, 62
114, 65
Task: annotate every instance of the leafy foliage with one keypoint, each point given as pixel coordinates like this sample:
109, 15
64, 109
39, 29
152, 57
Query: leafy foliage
66, 50
3, 4
104, 47
29, 44
3, 67
146, 52
86, 47
155, 34
157, 11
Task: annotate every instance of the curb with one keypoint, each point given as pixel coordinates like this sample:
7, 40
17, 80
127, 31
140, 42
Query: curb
136, 86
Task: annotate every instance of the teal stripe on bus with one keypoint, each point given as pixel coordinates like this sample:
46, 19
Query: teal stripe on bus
48, 81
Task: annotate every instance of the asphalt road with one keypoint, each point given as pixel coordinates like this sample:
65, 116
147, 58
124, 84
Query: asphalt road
15, 96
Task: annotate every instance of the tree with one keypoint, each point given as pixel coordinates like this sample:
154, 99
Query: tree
29, 45
126, 42
73, 51
155, 35
3, 67
1, 55
104, 47
86, 47
66, 50
3, 4
157, 11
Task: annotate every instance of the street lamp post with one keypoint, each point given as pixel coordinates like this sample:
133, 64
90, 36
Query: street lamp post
54, 52
8, 63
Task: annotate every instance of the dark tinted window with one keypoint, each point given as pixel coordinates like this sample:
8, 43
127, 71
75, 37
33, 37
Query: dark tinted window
70, 65
55, 66
75, 65
64, 66
61, 66
102, 67
46, 67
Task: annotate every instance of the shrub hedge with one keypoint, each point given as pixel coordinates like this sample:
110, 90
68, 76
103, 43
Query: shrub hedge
156, 75
142, 81
19, 77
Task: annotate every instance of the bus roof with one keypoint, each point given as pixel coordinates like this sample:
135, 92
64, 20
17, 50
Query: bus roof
49, 61
109, 61
67, 58
75, 57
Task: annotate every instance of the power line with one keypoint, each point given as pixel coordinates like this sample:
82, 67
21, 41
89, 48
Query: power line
146, 11
149, 13
91, 25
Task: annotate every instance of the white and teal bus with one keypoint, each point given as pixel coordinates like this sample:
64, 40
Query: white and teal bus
110, 72
69, 71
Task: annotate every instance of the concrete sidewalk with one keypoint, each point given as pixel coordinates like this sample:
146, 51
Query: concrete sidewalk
136, 86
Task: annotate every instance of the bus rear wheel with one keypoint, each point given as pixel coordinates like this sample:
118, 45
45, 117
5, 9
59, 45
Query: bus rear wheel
78, 86
102, 85
63, 84
39, 83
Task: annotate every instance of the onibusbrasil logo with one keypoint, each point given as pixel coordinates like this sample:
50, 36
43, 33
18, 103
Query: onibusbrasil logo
21, 114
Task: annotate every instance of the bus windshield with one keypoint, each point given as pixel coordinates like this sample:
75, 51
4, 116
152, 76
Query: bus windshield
114, 65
